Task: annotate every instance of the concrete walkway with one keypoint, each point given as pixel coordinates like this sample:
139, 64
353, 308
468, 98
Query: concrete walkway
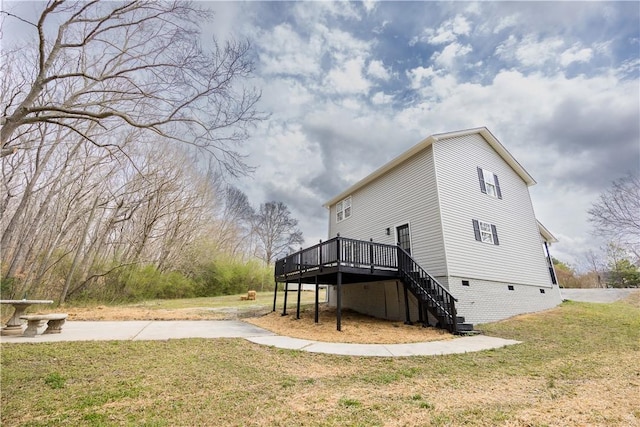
141, 330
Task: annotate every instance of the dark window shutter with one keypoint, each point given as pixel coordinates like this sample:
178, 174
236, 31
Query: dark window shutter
498, 192
483, 188
476, 230
495, 235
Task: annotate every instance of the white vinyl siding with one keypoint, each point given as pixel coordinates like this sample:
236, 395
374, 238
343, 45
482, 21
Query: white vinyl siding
406, 194
517, 258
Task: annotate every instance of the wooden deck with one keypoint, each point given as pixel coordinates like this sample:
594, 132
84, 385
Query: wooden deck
342, 261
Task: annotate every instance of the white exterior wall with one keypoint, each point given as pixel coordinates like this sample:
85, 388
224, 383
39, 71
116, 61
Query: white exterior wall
406, 194
384, 300
483, 301
519, 258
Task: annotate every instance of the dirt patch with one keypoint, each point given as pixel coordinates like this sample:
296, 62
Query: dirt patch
356, 328
145, 313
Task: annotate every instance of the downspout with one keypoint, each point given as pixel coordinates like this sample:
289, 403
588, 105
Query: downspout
552, 270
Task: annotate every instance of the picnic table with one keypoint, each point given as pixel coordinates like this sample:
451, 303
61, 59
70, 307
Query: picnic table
14, 325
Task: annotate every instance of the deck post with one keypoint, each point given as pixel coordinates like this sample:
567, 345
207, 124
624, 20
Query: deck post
317, 300
275, 295
406, 306
299, 292
371, 253
339, 303
286, 291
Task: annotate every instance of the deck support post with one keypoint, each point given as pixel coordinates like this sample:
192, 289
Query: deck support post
421, 313
275, 295
286, 291
406, 306
339, 302
299, 292
317, 300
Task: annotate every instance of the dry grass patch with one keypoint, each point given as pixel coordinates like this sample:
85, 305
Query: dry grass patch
356, 328
577, 366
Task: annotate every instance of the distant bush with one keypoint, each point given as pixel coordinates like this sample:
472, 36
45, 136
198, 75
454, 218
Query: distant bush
150, 283
226, 276
222, 276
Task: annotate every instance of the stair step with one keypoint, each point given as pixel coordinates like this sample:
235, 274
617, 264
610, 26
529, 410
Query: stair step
465, 327
460, 319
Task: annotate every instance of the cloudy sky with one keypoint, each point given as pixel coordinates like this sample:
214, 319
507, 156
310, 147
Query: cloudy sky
350, 86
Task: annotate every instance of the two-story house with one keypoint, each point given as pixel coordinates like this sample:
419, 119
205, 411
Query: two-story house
458, 206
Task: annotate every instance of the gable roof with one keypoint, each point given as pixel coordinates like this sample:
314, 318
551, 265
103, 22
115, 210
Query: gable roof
546, 234
482, 131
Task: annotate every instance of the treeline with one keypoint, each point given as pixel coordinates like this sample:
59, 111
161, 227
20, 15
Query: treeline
115, 140
79, 221
614, 268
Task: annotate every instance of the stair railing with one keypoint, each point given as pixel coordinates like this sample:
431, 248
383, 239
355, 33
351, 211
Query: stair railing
429, 290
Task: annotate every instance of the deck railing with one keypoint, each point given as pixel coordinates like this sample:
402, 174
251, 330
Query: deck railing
339, 251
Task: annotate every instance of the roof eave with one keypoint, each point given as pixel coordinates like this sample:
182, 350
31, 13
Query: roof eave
546, 234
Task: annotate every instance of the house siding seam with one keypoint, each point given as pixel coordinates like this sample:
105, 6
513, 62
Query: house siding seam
519, 258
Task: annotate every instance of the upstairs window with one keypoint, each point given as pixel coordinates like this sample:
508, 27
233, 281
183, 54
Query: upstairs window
343, 209
489, 183
485, 232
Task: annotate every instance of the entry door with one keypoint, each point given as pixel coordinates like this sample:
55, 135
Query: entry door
403, 237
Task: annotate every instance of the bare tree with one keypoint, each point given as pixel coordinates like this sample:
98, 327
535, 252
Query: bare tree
233, 225
616, 215
275, 230
135, 64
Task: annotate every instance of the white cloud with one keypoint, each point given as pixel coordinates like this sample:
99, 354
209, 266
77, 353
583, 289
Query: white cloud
449, 30
348, 78
341, 44
380, 28
369, 5
308, 13
530, 52
447, 57
380, 98
418, 75
575, 54
506, 22
283, 51
376, 69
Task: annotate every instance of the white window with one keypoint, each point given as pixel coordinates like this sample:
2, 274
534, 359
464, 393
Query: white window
485, 232
343, 209
489, 183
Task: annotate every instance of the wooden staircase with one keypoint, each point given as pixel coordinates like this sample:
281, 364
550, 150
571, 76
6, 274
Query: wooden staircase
433, 298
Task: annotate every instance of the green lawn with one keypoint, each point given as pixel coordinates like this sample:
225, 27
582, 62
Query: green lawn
578, 366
